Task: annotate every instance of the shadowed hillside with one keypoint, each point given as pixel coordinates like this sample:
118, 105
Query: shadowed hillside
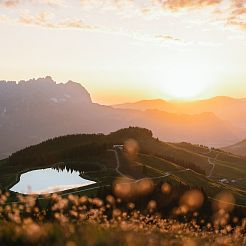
237, 149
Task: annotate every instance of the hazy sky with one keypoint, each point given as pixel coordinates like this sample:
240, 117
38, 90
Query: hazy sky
126, 50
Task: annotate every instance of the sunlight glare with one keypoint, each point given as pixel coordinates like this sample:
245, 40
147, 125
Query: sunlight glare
186, 83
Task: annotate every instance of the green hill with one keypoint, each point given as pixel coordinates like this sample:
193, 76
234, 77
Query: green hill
213, 170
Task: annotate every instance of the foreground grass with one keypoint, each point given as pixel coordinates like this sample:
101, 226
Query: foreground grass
121, 234
79, 220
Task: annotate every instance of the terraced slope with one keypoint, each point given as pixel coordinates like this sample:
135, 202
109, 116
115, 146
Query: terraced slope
229, 168
174, 174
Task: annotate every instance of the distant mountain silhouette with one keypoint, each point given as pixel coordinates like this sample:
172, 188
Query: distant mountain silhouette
38, 109
226, 108
237, 149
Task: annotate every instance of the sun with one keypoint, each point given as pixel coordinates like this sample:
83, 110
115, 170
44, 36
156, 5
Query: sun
185, 83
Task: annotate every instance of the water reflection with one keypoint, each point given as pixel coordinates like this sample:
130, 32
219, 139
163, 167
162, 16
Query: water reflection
49, 180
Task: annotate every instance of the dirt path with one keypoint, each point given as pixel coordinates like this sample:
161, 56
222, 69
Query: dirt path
212, 161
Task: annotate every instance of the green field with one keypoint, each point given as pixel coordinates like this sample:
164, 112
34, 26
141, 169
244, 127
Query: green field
90, 155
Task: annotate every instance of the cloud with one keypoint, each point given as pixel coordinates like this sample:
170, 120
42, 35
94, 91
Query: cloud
16, 3
237, 15
51, 2
10, 3
115, 3
41, 19
240, 24
46, 19
238, 8
181, 4
238, 3
167, 38
233, 14
146, 5
76, 24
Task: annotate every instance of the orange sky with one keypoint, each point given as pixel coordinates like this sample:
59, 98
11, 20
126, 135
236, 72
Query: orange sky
128, 50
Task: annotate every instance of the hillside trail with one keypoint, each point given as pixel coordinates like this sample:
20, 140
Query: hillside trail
166, 174
212, 161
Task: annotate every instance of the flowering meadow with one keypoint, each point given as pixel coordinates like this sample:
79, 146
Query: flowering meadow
116, 220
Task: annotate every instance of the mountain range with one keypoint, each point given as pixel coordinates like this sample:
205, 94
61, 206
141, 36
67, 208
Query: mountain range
228, 109
35, 110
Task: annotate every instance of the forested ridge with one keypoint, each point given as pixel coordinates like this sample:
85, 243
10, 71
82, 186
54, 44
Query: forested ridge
92, 147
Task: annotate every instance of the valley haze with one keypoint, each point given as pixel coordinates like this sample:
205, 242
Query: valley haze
38, 109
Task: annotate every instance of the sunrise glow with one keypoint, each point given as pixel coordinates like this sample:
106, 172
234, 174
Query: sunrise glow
122, 122
185, 82
128, 50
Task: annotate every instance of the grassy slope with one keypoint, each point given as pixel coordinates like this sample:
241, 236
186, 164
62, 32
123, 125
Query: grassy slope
191, 178
226, 165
